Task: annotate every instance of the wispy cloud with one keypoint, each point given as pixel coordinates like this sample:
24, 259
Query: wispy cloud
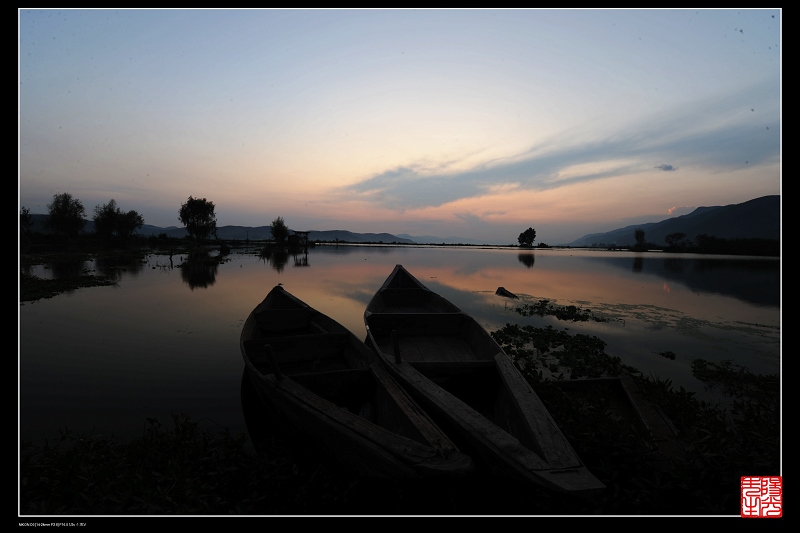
716, 134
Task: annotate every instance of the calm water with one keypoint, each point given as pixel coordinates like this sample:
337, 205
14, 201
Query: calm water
165, 339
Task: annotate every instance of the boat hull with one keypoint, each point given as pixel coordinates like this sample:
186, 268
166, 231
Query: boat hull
326, 383
462, 377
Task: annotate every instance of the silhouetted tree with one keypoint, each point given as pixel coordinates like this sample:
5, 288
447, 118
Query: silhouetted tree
279, 230
639, 236
527, 237
105, 217
66, 215
110, 221
675, 240
197, 214
128, 223
25, 221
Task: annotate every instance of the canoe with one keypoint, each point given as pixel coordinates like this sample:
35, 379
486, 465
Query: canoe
628, 402
471, 388
326, 384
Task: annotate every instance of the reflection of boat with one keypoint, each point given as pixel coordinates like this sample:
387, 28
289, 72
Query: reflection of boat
462, 377
627, 402
327, 384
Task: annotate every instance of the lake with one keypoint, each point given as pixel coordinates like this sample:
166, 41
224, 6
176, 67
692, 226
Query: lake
165, 338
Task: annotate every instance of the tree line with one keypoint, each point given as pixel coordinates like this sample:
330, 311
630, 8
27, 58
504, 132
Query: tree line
707, 244
67, 217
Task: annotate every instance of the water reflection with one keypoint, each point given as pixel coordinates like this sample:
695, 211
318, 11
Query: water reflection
276, 257
67, 269
112, 267
199, 270
526, 259
755, 281
67, 377
301, 260
674, 265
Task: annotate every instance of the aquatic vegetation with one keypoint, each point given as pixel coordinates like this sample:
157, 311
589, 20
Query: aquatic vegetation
558, 352
182, 470
562, 312
32, 288
721, 444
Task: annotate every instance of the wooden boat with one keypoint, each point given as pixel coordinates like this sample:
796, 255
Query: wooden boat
628, 402
464, 380
320, 378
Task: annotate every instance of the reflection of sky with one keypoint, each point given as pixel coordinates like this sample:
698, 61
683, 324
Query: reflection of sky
152, 345
759, 286
472, 123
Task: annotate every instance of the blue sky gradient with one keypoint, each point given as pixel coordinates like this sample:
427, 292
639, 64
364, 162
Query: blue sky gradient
473, 123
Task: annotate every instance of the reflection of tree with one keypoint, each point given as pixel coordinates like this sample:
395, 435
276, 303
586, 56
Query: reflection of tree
301, 260
526, 259
67, 269
199, 270
638, 264
113, 266
277, 257
674, 265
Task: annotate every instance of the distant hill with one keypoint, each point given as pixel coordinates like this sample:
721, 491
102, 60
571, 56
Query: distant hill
432, 239
260, 233
756, 219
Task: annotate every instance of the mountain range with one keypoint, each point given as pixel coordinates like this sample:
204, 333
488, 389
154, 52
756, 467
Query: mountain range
759, 218
755, 219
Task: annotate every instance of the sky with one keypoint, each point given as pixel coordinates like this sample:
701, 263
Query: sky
469, 123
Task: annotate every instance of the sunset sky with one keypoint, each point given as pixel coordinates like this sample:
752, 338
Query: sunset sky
468, 123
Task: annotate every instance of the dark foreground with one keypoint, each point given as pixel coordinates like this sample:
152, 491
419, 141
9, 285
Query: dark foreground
176, 468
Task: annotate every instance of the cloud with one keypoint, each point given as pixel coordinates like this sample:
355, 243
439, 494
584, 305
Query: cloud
468, 217
675, 211
713, 133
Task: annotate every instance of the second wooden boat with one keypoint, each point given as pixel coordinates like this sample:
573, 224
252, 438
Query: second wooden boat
628, 402
320, 378
463, 378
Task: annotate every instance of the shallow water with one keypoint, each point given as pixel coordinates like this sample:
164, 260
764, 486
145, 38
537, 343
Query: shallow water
165, 338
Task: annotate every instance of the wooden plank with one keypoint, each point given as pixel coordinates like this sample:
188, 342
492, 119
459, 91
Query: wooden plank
283, 319
452, 368
543, 432
303, 343
661, 428
504, 453
304, 353
416, 323
369, 447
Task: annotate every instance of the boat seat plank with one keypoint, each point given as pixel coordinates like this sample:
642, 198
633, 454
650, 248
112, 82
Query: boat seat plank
417, 324
283, 319
434, 369
301, 342
327, 351
412, 300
